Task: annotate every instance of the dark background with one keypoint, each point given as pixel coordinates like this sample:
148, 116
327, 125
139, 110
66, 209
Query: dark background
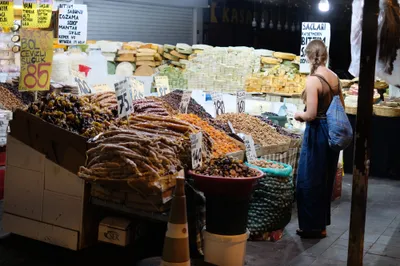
222, 29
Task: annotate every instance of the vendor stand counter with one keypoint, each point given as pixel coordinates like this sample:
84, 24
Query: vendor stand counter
385, 147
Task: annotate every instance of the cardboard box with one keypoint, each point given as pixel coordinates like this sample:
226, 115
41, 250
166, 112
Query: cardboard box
62, 210
60, 146
23, 156
23, 192
115, 230
40, 231
57, 179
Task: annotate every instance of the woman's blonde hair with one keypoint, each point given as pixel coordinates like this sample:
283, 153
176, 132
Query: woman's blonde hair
317, 54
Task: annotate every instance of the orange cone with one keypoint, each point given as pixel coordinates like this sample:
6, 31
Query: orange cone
176, 244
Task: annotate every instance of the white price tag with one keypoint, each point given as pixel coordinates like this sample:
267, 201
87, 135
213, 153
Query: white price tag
98, 88
137, 89
218, 103
231, 127
162, 85
3, 126
124, 98
72, 24
196, 141
250, 148
240, 101
183, 106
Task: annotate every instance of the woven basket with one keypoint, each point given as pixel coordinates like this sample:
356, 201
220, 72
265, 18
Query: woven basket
351, 110
386, 111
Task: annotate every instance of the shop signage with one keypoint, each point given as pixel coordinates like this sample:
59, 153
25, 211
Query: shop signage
44, 13
312, 31
36, 60
184, 104
72, 24
124, 97
6, 13
29, 14
60, 3
240, 101
250, 148
196, 141
137, 89
223, 13
219, 105
98, 88
162, 85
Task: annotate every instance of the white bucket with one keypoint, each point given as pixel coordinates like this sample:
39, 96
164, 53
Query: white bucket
225, 250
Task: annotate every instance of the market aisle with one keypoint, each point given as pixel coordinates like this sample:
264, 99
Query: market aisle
382, 239
382, 244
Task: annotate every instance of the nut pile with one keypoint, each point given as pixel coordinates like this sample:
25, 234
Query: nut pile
174, 99
261, 132
266, 164
125, 154
8, 100
72, 113
279, 129
226, 167
222, 143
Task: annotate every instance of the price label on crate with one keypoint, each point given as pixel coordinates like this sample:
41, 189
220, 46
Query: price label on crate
196, 141
124, 97
218, 103
162, 85
240, 101
250, 148
183, 106
137, 89
36, 60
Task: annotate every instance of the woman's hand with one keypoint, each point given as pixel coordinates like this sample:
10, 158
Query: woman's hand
298, 117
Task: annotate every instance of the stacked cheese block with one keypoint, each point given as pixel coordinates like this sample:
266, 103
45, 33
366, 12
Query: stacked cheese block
177, 55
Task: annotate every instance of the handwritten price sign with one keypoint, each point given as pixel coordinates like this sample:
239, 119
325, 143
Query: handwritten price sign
183, 106
137, 89
240, 101
44, 13
218, 103
6, 13
29, 14
36, 60
162, 85
250, 148
124, 97
196, 141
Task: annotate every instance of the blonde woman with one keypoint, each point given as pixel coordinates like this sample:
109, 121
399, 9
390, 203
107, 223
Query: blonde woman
318, 162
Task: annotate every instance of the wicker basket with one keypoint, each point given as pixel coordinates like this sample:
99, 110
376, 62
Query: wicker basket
351, 110
386, 111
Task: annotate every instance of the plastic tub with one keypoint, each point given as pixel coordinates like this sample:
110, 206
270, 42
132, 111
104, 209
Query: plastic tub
225, 250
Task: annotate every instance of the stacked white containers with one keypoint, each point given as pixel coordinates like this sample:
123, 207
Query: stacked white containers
98, 67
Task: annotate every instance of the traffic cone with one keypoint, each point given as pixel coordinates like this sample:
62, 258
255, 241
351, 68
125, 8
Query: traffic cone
176, 244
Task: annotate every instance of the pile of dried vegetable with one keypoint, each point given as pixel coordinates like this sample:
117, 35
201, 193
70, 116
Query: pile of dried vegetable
174, 99
106, 100
173, 129
72, 113
128, 155
227, 167
222, 143
261, 132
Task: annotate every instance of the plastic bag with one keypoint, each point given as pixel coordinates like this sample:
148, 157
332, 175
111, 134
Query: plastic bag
340, 130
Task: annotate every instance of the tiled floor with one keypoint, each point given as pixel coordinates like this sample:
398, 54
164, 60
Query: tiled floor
382, 240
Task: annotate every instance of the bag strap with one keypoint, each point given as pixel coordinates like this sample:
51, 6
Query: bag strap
329, 85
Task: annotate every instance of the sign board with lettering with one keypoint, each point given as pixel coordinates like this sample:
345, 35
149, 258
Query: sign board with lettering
250, 148
185, 100
162, 85
45, 11
72, 24
196, 141
36, 60
6, 13
98, 88
124, 97
240, 101
313, 31
29, 14
137, 89
219, 104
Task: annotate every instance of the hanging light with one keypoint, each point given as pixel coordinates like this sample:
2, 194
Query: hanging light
262, 24
254, 23
279, 26
323, 5
286, 26
298, 26
293, 28
271, 24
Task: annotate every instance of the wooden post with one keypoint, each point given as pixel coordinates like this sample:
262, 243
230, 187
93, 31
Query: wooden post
362, 132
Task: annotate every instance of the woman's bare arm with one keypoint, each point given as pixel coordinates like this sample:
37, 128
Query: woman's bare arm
313, 85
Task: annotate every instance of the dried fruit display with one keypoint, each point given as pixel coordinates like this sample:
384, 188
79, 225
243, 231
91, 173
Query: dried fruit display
222, 143
279, 129
72, 113
226, 167
174, 100
8, 100
173, 129
267, 164
106, 99
126, 154
262, 133
149, 106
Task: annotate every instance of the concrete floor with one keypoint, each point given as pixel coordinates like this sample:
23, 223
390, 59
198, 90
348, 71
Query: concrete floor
382, 240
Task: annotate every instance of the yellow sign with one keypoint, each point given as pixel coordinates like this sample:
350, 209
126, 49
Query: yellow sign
6, 13
29, 14
44, 13
36, 60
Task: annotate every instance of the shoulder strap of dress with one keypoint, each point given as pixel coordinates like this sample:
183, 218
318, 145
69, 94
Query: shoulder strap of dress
321, 78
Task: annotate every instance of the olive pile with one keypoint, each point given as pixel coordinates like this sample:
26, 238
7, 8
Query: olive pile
271, 205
